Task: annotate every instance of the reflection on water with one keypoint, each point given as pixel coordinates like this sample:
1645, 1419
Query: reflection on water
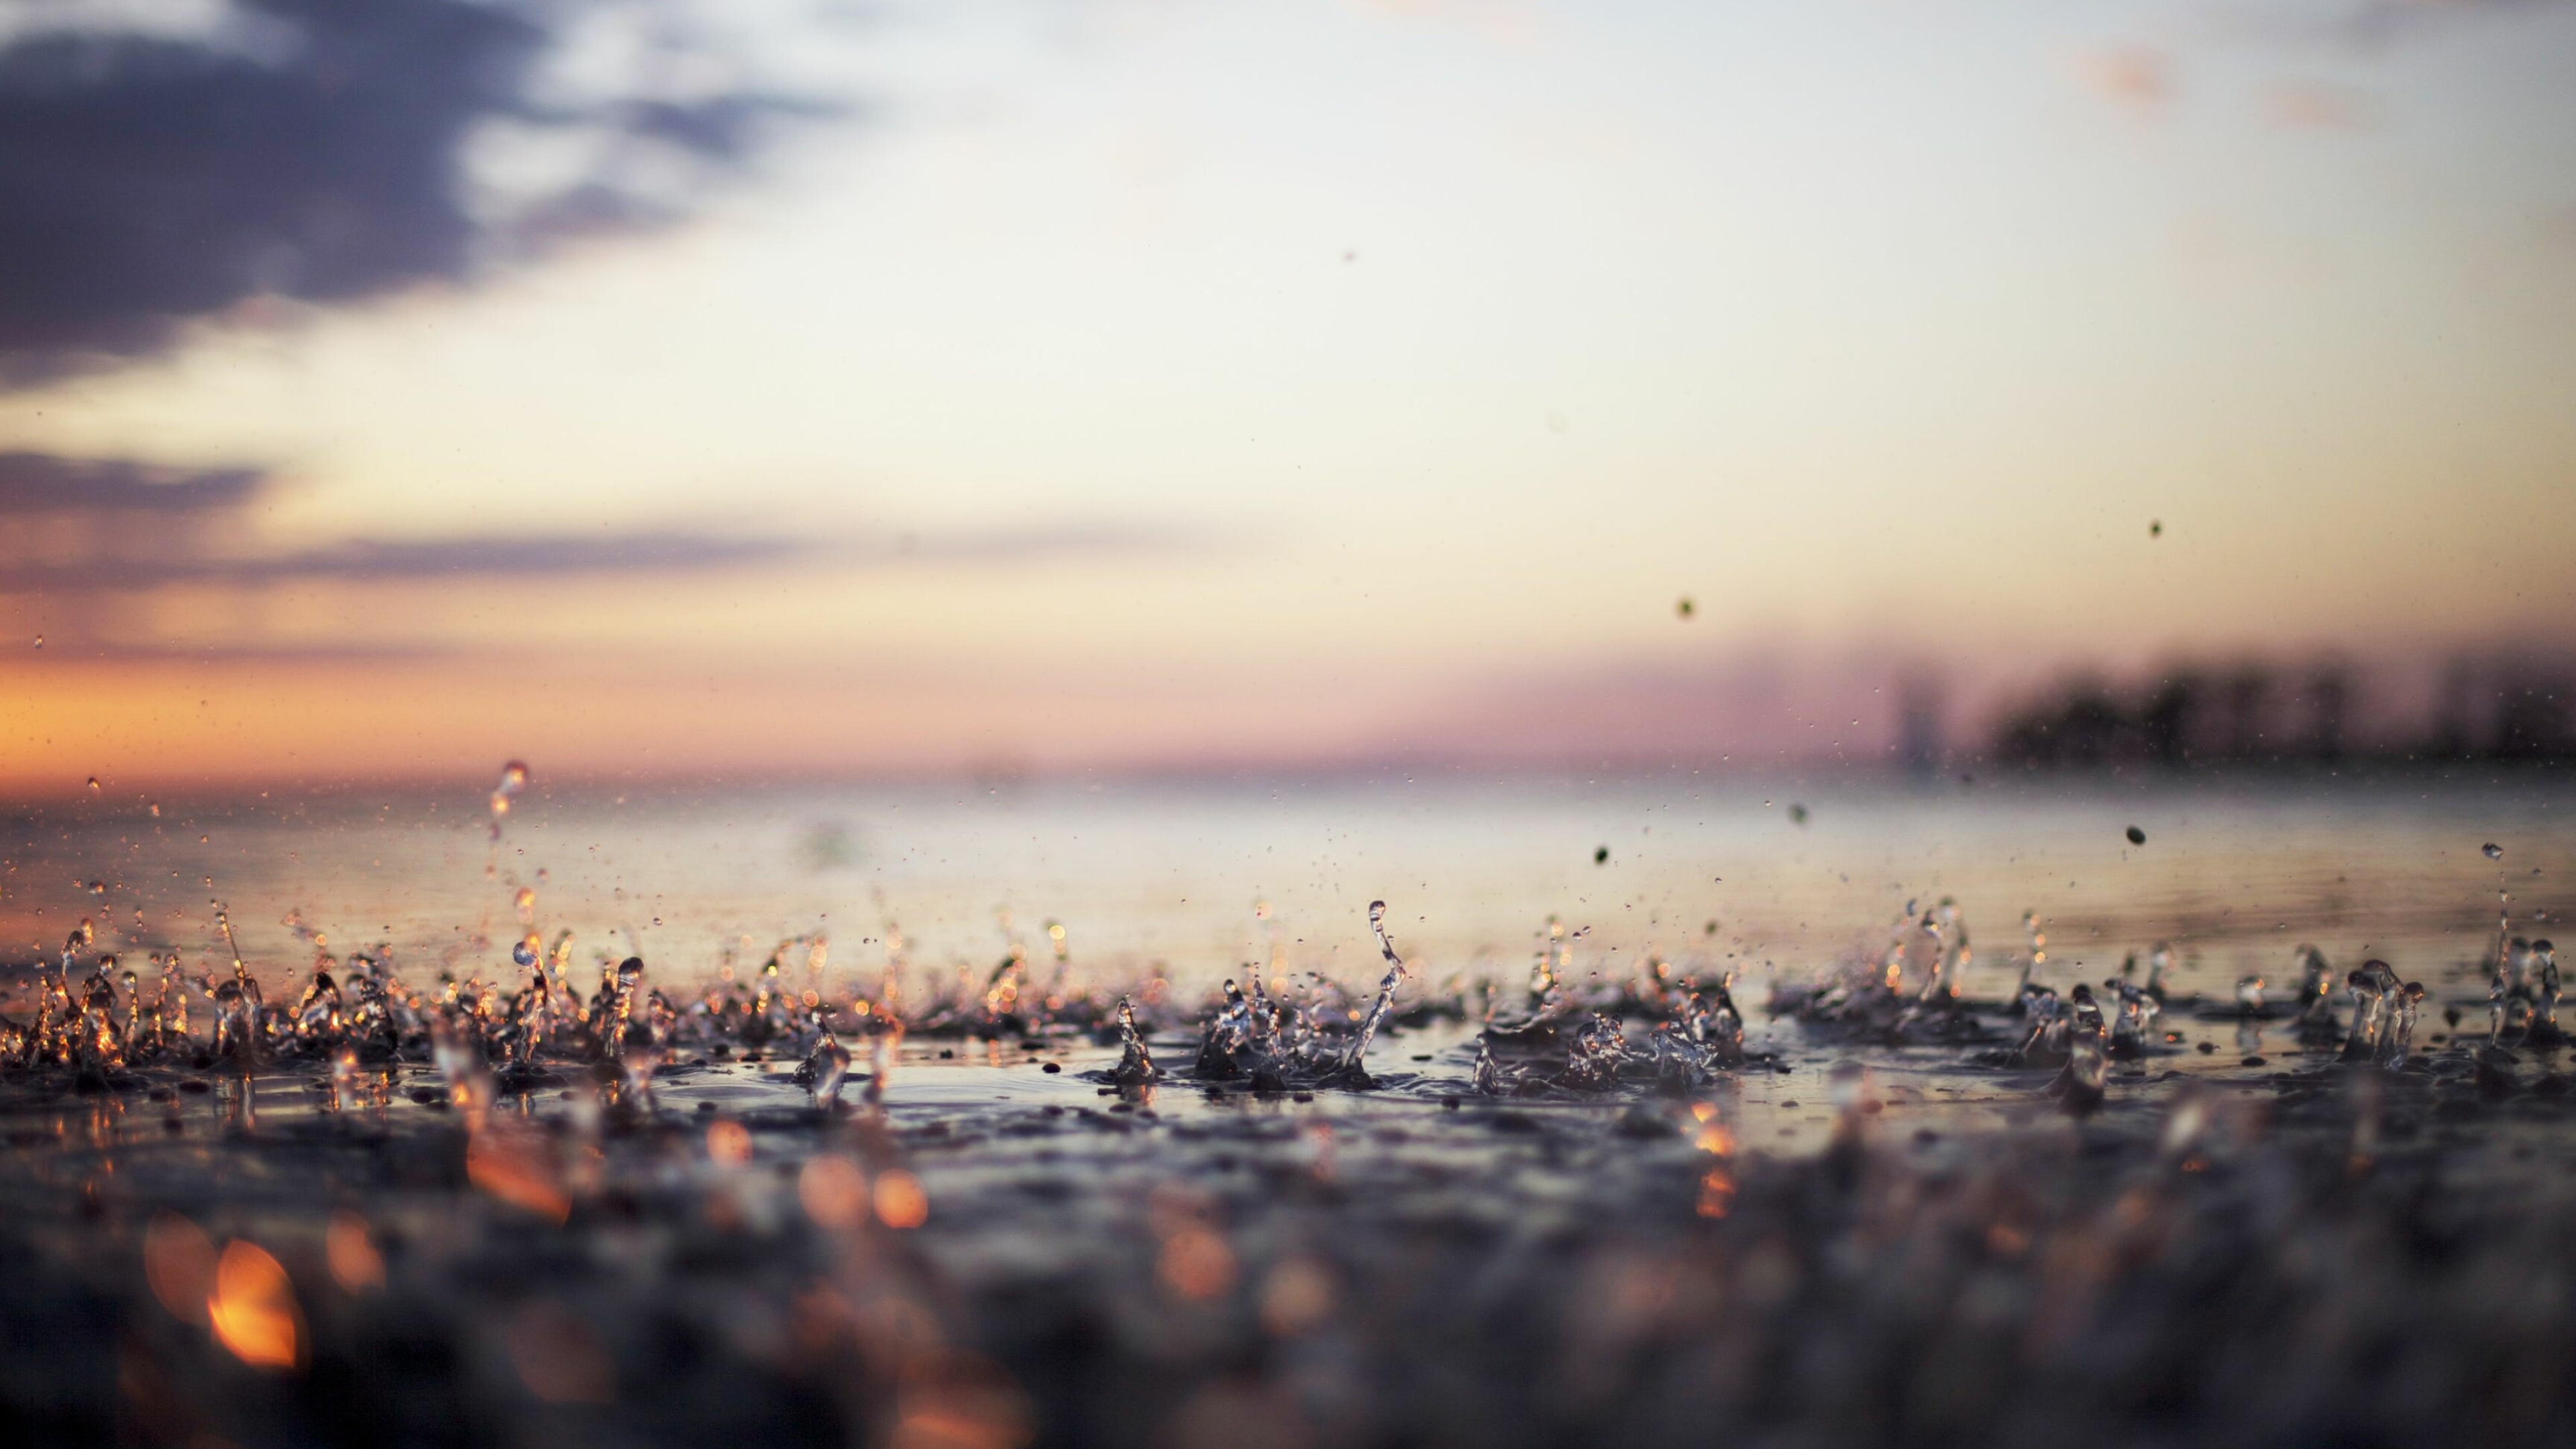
1191, 882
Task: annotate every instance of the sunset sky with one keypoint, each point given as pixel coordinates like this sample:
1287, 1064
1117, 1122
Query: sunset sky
388, 389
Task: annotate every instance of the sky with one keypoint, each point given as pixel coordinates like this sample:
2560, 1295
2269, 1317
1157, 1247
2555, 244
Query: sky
788, 386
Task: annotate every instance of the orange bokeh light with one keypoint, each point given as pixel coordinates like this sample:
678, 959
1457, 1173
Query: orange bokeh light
834, 1192
900, 1201
516, 1172
179, 1262
253, 1310
355, 1264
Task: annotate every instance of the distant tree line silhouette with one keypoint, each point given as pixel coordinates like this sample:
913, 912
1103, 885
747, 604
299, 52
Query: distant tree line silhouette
2256, 713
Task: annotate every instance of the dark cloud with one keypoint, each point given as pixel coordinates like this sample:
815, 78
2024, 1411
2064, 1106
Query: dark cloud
93, 648
117, 560
526, 555
147, 182
1033, 543
84, 527
41, 483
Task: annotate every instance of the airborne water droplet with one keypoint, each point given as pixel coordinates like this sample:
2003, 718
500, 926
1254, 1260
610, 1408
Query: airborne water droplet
514, 778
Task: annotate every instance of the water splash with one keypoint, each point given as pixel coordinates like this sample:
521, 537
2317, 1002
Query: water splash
346, 1079
2133, 1019
2373, 986
2397, 1046
1227, 1051
637, 1033
1594, 1055
1135, 1064
824, 1069
2316, 1021
2160, 959
1866, 996
2079, 1084
2030, 963
1350, 1071
2544, 985
2050, 1026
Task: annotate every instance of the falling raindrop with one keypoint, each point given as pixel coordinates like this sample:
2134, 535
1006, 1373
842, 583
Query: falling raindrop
514, 778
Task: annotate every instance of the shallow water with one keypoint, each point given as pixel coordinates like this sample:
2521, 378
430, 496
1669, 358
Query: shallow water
1167, 878
1189, 1262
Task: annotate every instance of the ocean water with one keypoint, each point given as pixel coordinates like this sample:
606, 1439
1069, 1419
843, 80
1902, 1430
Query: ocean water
1188, 881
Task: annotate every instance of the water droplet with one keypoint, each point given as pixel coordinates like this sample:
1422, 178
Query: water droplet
1601, 856
514, 778
2137, 836
1135, 1064
2493, 850
93, 782
1685, 608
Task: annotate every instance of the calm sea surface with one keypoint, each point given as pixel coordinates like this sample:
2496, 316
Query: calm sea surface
1190, 880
